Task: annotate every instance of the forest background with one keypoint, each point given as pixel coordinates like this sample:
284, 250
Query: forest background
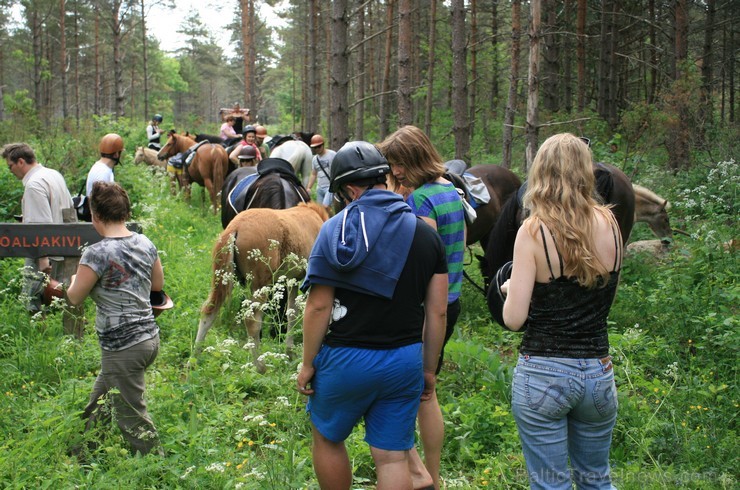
652, 83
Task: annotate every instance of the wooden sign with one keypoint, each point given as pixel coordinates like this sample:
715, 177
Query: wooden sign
34, 240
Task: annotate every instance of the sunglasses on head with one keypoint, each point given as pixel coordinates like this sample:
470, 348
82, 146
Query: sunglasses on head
585, 140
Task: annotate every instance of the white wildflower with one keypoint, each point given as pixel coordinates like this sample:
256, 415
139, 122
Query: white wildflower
219, 467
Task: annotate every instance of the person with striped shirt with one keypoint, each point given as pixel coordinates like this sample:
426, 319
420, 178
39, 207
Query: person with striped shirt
416, 165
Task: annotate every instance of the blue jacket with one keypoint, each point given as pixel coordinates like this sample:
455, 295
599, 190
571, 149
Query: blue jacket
364, 248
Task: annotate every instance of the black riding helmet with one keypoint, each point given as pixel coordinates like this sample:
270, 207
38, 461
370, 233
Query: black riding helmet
157, 117
357, 160
249, 129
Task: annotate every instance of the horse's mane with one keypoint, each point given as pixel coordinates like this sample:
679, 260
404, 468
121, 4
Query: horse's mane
649, 195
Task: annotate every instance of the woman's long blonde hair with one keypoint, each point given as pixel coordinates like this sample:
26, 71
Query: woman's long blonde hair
560, 195
412, 149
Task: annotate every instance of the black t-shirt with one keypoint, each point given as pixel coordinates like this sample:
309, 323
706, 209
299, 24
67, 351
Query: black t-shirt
371, 322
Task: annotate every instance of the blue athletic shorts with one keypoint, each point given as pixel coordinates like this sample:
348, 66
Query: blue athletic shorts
383, 386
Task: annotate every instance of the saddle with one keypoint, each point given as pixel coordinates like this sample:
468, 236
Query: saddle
474, 191
279, 139
238, 197
278, 166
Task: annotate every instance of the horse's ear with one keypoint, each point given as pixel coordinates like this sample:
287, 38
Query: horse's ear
172, 131
666, 205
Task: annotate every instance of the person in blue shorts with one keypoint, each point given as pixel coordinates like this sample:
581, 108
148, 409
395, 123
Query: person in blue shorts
416, 165
374, 323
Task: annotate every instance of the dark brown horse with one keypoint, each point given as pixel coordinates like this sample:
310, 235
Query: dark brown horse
271, 184
208, 168
612, 185
501, 183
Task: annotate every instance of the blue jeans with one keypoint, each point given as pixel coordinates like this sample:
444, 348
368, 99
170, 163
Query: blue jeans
565, 408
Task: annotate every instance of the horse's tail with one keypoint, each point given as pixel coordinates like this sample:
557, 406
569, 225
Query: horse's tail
220, 165
222, 279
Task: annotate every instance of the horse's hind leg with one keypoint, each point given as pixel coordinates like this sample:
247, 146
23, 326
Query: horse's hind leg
291, 318
205, 324
254, 327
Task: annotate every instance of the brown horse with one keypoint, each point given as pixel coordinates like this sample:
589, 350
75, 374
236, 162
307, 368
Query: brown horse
208, 168
264, 241
501, 183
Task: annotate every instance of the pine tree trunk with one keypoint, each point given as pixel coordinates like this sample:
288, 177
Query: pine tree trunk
581, 54
511, 103
145, 61
551, 58
567, 59
460, 114
678, 131
385, 94
312, 116
532, 125
473, 64
405, 115
63, 57
360, 74
706, 67
340, 74
430, 69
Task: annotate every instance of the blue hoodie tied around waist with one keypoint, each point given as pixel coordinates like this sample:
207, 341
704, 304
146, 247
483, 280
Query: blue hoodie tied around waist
364, 248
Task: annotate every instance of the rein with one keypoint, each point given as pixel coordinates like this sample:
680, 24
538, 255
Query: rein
470, 279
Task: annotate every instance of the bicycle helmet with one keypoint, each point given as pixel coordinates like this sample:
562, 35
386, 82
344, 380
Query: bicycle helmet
157, 117
247, 152
357, 160
316, 140
110, 144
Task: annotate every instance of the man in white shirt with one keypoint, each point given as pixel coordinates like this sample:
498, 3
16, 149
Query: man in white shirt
44, 197
111, 147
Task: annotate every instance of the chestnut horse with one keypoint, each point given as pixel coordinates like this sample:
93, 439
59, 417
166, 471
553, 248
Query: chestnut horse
260, 243
208, 167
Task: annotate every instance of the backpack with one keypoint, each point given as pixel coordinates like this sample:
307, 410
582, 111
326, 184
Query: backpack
82, 205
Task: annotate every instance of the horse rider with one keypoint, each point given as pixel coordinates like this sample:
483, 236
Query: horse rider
154, 133
228, 135
250, 139
321, 170
247, 156
261, 134
110, 148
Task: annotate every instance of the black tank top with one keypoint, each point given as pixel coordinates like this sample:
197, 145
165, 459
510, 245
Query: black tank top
569, 320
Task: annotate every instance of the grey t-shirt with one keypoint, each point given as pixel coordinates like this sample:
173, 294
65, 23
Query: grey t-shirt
124, 269
322, 179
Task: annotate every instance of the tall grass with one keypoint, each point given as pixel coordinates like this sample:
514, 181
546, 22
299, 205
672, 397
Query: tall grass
673, 330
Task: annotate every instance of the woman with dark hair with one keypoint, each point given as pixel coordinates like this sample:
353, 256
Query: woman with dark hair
119, 273
416, 165
565, 273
